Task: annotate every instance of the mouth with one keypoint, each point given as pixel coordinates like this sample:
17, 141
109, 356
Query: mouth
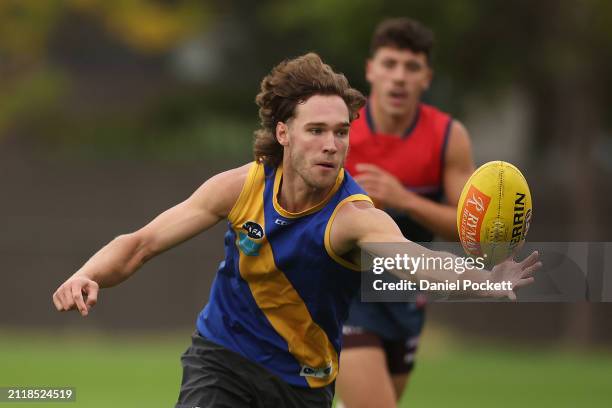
398, 96
326, 165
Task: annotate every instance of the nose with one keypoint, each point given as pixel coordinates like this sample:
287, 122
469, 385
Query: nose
329, 143
398, 74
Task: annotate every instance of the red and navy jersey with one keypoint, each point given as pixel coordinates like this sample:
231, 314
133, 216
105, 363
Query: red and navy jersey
416, 157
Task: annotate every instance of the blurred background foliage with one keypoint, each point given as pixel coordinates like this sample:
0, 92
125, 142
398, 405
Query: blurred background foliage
167, 78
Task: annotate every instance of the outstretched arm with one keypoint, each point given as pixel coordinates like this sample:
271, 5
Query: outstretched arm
359, 226
122, 257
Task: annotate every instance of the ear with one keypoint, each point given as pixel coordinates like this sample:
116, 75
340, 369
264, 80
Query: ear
282, 133
368, 70
428, 79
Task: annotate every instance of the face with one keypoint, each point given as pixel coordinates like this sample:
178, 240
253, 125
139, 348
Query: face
398, 78
316, 140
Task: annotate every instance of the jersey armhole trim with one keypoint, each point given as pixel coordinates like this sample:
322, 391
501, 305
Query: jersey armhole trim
328, 248
245, 192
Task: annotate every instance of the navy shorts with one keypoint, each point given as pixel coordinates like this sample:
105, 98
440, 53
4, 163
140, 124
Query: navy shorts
394, 327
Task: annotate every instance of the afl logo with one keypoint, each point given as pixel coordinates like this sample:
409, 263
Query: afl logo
251, 242
253, 229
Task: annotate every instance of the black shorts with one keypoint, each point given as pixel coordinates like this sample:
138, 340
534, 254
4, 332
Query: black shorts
214, 376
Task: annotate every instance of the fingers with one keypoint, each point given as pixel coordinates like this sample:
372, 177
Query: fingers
523, 282
530, 260
66, 298
71, 296
365, 179
77, 297
92, 293
57, 302
530, 270
368, 168
370, 186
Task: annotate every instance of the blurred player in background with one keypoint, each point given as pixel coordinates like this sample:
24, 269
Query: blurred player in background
413, 161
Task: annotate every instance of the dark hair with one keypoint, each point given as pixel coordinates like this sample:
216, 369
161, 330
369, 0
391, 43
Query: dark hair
403, 33
289, 83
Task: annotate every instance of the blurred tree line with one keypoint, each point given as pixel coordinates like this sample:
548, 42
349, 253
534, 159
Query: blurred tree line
170, 76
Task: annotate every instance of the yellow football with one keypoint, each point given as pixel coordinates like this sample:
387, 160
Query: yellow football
494, 211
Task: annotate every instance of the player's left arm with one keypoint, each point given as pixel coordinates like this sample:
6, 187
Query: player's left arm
441, 218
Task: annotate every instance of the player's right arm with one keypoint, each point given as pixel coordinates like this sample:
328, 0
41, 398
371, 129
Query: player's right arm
122, 257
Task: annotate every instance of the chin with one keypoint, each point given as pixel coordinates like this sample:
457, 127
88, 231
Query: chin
323, 182
397, 110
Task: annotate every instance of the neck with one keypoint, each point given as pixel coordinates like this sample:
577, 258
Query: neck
295, 195
392, 124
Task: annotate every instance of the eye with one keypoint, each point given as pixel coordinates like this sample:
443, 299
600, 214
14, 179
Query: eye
316, 131
414, 66
388, 63
342, 132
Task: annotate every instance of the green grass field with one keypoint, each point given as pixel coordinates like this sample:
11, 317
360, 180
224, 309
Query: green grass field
488, 376
144, 371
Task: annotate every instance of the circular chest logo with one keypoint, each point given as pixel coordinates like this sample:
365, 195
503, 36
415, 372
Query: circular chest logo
253, 229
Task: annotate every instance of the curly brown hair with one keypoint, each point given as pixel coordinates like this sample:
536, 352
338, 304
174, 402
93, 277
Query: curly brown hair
289, 83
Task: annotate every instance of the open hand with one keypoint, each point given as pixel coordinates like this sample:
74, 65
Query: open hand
519, 274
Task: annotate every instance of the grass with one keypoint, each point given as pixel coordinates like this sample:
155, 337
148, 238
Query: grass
144, 371
136, 371
469, 372
497, 377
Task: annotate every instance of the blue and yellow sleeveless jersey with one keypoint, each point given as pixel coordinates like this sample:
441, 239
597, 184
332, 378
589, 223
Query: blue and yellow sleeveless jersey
281, 294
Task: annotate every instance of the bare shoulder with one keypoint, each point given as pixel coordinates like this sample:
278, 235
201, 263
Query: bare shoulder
357, 221
459, 143
233, 179
355, 211
459, 128
220, 192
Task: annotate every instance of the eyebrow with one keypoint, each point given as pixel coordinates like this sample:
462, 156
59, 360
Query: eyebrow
323, 124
